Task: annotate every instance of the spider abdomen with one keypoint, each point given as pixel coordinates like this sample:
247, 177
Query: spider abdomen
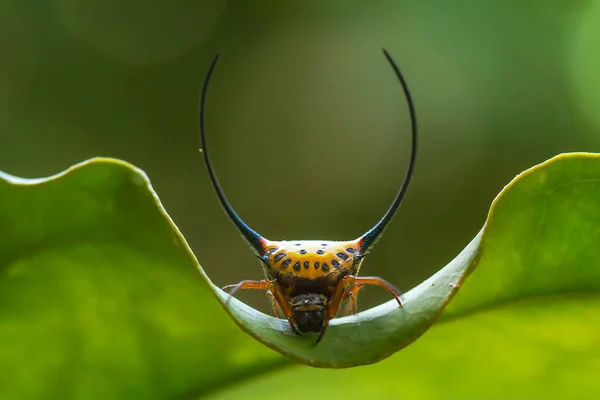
312, 259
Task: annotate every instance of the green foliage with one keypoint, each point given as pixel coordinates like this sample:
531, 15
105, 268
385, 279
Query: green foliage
101, 298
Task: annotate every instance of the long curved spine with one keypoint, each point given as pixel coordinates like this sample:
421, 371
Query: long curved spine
369, 238
251, 236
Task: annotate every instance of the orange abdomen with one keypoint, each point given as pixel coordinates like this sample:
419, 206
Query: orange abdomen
312, 259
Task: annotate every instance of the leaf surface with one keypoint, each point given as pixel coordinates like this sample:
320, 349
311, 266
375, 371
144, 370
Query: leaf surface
101, 297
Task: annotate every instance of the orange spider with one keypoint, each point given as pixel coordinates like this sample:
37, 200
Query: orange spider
308, 280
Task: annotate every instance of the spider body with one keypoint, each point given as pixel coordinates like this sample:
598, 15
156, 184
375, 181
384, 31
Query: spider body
290, 261
309, 280
308, 274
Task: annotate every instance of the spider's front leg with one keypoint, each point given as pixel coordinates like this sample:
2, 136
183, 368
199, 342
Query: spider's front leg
275, 292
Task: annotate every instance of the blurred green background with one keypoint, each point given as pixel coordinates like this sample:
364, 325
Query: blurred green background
308, 127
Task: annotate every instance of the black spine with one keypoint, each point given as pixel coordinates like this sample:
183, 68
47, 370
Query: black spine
371, 236
252, 237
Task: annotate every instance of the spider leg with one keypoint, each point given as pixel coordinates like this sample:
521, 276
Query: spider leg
285, 307
275, 305
377, 281
341, 290
334, 304
275, 291
351, 294
264, 284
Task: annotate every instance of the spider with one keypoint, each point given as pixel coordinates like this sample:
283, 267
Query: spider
308, 280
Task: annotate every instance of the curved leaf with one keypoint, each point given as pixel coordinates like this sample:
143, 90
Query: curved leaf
109, 309
100, 295
526, 322
549, 199
542, 348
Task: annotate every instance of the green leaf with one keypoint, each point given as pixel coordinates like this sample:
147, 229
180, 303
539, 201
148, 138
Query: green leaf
542, 348
553, 202
101, 297
525, 324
